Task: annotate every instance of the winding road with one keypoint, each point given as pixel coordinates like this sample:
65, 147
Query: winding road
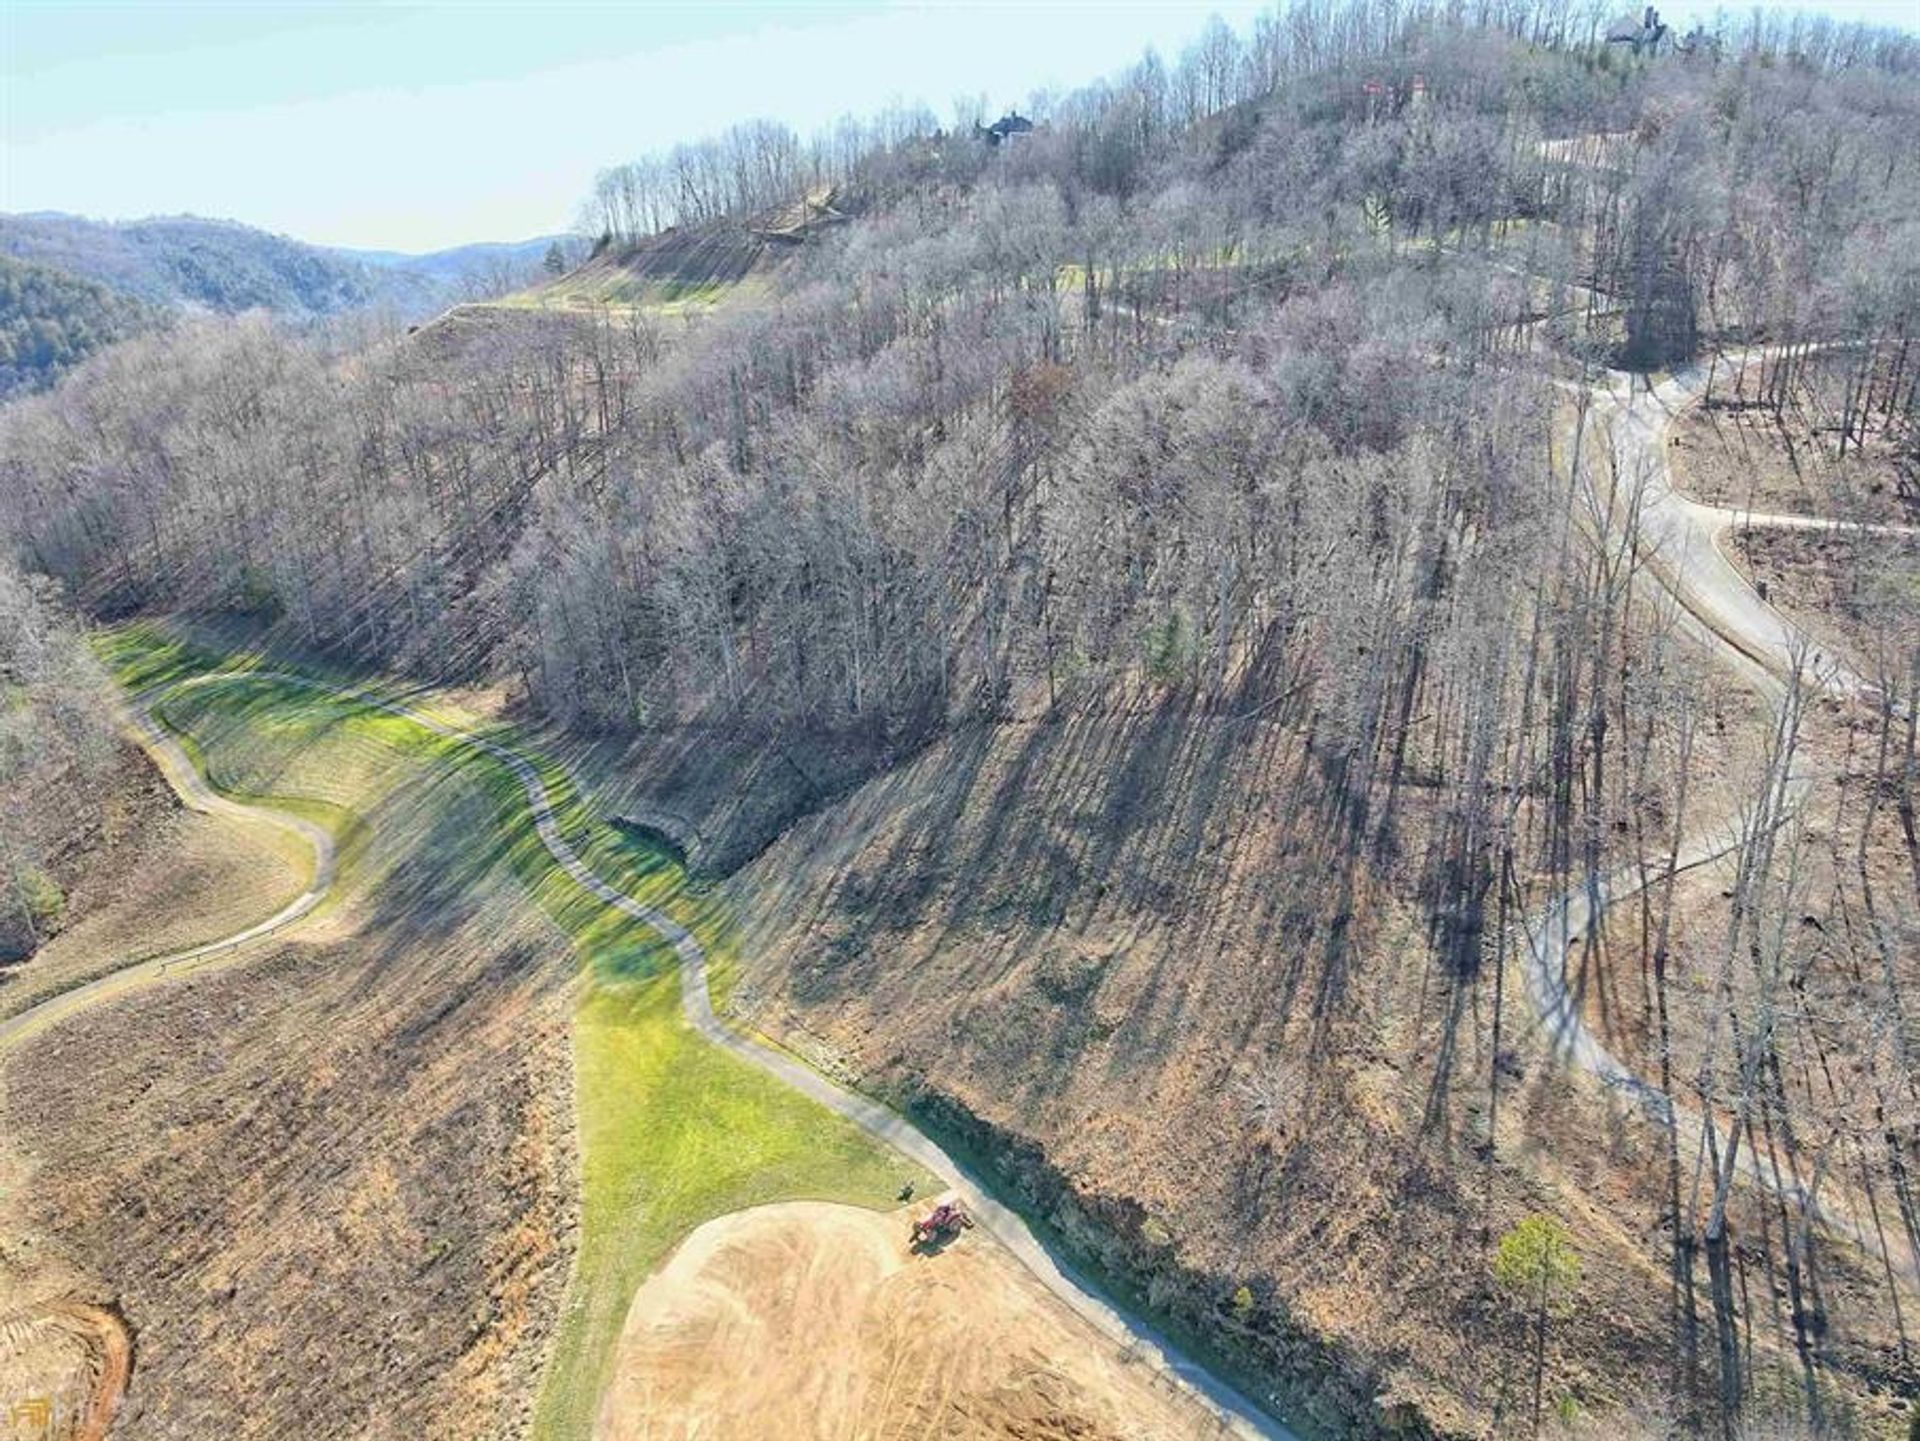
109, 1332
1683, 541
197, 795
1237, 1414
1681, 536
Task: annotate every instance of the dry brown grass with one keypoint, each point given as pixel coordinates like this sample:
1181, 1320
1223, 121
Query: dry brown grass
175, 879
330, 1186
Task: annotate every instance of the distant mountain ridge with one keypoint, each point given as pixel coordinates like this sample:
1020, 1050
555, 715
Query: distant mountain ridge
187, 262
70, 284
223, 265
465, 262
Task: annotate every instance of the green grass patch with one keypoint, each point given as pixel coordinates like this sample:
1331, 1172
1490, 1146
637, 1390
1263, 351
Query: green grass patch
142, 655
352, 836
43, 900
719, 1136
673, 1131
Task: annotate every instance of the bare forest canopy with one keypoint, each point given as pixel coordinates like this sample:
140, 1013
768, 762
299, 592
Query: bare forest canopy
1117, 127
55, 743
1237, 395
1240, 392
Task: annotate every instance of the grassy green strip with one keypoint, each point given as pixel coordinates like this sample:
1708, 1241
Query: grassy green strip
673, 1131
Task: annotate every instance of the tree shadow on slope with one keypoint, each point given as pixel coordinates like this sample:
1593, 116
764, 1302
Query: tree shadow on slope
1093, 888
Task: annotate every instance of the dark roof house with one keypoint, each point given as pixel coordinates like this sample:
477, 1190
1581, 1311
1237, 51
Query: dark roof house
1646, 35
1005, 128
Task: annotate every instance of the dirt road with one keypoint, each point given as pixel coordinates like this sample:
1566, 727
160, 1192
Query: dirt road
196, 794
1236, 1413
1682, 540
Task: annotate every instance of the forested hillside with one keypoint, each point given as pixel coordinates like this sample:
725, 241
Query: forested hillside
1163, 576
50, 322
56, 746
1107, 360
185, 261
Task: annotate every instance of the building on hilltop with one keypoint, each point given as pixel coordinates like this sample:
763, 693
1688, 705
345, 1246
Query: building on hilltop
1646, 34
1005, 128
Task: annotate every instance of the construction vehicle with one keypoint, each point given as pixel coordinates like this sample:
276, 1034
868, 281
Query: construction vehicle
941, 1224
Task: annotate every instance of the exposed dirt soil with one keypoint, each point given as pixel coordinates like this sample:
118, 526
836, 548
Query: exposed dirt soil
1855, 594
63, 1371
81, 823
349, 1158
689, 263
1741, 454
1834, 957
810, 1320
158, 878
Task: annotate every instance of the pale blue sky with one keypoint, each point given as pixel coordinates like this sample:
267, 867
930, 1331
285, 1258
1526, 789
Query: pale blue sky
424, 125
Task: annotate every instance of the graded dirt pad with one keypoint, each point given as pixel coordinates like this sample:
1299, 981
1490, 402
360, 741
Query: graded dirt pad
58, 1376
63, 1371
811, 1320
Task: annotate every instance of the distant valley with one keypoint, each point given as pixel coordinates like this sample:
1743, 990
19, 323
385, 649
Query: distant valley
69, 285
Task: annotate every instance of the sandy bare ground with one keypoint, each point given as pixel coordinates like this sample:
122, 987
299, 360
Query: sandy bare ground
813, 1320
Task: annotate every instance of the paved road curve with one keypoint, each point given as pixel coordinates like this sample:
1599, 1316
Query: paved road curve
1235, 1413
194, 791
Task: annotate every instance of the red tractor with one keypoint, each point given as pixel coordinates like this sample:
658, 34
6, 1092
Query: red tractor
941, 1224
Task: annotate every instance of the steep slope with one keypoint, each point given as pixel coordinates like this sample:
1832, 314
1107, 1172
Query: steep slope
51, 321
1144, 623
352, 1203
1120, 957
68, 786
690, 265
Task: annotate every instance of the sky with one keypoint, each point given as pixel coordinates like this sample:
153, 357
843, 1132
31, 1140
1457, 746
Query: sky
420, 126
